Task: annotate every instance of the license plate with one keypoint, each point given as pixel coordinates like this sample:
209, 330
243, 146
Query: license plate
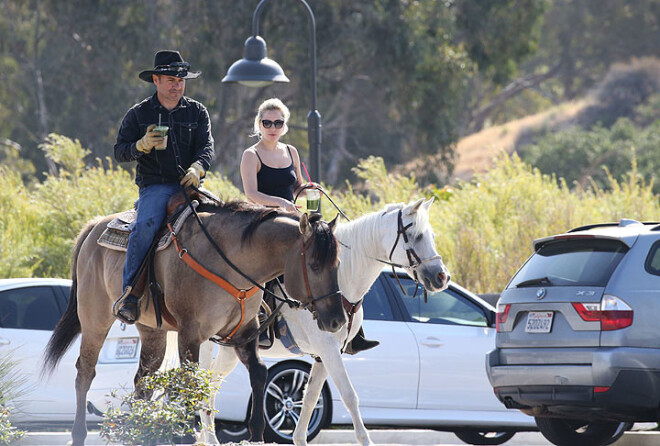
539, 322
126, 348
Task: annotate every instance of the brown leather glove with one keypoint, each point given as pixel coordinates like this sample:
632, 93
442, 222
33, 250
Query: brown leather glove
193, 175
149, 140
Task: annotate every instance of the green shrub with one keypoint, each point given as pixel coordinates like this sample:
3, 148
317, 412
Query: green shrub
10, 388
9, 435
168, 414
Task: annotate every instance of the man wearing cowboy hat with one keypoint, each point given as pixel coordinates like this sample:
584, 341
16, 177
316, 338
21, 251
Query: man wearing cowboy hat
187, 155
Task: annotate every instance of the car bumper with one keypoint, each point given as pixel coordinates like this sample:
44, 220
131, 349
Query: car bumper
620, 384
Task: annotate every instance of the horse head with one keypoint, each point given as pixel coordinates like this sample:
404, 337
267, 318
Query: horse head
413, 244
310, 273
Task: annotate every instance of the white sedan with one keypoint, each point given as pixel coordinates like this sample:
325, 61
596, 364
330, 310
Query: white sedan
427, 372
29, 310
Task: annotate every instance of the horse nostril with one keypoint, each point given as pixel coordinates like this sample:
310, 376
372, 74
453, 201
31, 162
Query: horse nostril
444, 278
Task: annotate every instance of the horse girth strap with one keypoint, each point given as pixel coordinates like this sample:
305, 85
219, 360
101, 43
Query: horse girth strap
239, 295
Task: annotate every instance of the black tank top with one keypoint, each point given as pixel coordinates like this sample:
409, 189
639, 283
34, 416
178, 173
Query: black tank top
277, 182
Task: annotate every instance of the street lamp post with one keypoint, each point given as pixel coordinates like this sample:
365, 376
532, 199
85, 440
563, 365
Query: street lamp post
257, 70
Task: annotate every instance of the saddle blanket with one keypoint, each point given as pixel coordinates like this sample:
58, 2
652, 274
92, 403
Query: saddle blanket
115, 235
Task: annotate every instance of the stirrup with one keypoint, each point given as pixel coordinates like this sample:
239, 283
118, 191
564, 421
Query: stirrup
119, 311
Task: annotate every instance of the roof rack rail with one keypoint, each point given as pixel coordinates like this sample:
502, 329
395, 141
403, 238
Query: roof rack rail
602, 225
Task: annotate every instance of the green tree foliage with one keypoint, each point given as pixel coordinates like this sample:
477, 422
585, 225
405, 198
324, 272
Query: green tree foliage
393, 75
499, 34
588, 36
584, 156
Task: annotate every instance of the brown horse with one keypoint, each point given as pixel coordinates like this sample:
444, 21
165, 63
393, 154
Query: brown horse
263, 243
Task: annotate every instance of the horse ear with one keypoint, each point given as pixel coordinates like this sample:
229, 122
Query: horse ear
333, 223
427, 204
413, 208
305, 227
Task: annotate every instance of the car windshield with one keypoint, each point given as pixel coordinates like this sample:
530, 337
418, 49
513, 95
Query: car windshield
579, 262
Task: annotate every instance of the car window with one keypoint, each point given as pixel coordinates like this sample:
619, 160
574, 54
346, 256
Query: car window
444, 307
652, 263
376, 305
32, 308
583, 262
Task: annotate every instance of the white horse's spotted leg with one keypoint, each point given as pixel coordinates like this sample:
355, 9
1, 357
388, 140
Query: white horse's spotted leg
317, 377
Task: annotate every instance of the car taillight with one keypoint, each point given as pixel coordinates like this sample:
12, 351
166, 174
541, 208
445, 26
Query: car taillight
612, 312
502, 315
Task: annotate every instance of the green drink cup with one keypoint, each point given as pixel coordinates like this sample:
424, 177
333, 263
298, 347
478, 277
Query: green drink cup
162, 129
313, 199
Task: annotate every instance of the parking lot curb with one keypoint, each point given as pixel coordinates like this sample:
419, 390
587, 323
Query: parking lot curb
335, 437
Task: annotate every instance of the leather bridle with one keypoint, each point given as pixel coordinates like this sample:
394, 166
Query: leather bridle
311, 300
413, 258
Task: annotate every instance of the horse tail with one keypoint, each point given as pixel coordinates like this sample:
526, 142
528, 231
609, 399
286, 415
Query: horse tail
68, 327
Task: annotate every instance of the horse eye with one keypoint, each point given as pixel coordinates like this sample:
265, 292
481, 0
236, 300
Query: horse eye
419, 238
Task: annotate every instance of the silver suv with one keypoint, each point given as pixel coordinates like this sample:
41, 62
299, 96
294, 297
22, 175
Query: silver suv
578, 333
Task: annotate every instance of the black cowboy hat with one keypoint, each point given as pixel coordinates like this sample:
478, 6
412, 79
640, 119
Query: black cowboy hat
169, 63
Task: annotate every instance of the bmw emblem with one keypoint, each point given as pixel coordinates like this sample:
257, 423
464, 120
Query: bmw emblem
540, 293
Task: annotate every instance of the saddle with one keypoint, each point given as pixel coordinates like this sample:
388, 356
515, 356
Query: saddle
115, 235
117, 231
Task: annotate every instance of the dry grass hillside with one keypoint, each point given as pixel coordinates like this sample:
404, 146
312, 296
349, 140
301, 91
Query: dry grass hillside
475, 153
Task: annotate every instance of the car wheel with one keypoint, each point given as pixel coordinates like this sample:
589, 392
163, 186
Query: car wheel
572, 432
230, 432
283, 402
484, 437
623, 427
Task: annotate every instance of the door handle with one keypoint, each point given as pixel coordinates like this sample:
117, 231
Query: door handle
432, 342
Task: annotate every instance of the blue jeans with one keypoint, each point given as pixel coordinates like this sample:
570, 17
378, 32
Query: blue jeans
151, 211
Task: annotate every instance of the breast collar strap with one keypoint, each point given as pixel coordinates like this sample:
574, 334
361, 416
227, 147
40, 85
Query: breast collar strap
240, 295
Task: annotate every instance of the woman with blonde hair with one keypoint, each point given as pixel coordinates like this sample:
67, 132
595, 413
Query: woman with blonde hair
270, 171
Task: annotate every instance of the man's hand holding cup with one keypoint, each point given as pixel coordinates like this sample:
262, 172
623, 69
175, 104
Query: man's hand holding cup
150, 140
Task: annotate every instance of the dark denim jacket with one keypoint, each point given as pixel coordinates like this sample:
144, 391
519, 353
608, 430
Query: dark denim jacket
189, 139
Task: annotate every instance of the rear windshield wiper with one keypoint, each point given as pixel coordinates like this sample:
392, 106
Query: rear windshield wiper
538, 281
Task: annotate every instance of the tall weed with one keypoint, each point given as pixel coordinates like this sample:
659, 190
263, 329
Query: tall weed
484, 228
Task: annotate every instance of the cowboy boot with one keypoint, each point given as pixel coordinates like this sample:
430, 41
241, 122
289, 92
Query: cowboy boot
127, 307
359, 343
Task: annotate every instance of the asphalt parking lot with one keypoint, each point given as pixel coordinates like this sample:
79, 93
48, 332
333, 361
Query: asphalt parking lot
385, 437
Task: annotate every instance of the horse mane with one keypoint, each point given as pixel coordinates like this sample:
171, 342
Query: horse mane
325, 247
363, 235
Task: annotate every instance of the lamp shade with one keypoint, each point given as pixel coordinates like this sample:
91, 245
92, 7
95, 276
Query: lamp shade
255, 69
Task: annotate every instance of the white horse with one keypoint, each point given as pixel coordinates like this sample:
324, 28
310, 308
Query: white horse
399, 234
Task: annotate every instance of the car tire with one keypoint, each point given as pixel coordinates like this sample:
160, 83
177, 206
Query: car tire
283, 402
574, 432
623, 427
231, 432
484, 437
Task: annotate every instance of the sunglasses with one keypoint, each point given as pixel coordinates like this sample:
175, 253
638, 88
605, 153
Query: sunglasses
267, 123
